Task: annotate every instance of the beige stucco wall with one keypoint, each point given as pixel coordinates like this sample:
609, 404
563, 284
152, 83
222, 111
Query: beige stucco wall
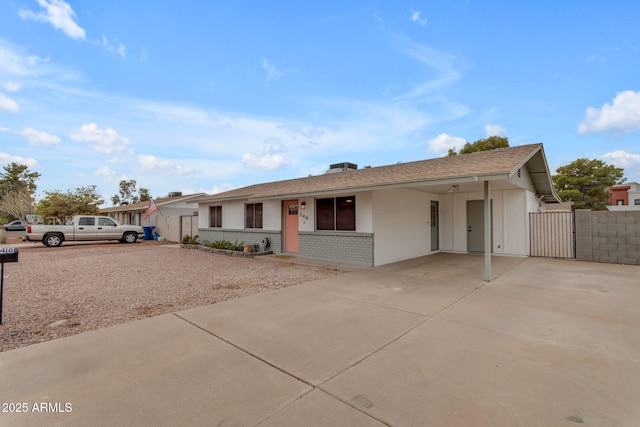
233, 213
510, 221
401, 224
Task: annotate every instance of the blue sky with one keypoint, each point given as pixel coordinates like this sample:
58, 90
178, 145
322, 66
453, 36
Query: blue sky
198, 96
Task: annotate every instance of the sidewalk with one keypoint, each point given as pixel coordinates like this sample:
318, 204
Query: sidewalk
421, 342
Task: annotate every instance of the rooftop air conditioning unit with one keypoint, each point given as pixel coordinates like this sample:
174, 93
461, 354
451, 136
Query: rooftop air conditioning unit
342, 167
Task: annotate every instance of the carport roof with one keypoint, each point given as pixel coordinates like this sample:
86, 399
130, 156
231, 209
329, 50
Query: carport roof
498, 164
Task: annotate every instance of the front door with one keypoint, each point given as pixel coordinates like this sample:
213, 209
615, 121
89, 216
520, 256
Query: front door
291, 226
435, 236
475, 225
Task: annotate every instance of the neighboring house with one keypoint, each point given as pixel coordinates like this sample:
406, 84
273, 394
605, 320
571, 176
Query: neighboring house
624, 197
379, 215
171, 220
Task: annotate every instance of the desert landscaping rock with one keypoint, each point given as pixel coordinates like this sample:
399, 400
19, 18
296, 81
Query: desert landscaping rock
55, 292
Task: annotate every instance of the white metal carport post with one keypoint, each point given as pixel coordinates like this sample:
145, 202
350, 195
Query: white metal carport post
487, 232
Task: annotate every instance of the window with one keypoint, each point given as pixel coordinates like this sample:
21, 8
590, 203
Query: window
215, 216
253, 215
619, 202
336, 214
86, 221
106, 222
636, 202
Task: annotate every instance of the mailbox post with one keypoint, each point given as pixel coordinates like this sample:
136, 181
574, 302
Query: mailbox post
6, 255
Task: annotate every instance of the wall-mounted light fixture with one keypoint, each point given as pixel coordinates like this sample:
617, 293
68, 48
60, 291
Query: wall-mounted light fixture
303, 205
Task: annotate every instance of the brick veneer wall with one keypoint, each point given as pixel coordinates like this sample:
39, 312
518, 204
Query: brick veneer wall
344, 247
608, 236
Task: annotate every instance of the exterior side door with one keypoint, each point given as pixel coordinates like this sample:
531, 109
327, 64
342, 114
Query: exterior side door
475, 225
435, 227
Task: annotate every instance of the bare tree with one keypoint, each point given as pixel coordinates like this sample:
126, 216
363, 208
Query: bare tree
17, 204
127, 193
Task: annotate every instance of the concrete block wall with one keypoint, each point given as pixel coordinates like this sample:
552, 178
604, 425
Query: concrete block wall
348, 248
584, 235
608, 236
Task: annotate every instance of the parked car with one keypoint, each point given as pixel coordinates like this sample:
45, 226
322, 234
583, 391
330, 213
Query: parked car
15, 226
84, 227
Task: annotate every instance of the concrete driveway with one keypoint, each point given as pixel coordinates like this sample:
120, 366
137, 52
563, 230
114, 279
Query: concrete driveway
419, 343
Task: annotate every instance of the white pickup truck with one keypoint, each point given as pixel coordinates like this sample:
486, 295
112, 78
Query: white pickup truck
83, 227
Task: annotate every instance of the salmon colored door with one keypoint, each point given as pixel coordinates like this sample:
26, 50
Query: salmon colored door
291, 226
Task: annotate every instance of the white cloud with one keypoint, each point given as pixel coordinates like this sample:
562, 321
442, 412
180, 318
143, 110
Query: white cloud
6, 158
274, 147
115, 47
270, 69
443, 142
622, 115
108, 174
59, 14
416, 16
10, 62
156, 164
15, 63
494, 130
266, 161
220, 188
8, 104
628, 161
104, 140
39, 138
271, 158
11, 86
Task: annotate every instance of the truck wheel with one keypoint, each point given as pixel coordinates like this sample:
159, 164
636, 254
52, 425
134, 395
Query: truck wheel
52, 240
129, 238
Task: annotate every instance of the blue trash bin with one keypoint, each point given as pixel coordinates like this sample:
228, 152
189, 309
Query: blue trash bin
148, 232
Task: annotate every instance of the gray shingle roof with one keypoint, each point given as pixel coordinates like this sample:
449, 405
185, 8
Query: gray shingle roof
504, 161
142, 206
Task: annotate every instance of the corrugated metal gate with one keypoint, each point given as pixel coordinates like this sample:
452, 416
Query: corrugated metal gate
553, 234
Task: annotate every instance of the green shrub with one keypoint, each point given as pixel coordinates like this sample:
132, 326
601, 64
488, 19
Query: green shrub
189, 240
225, 244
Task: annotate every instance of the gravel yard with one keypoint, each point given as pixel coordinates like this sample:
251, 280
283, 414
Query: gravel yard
56, 292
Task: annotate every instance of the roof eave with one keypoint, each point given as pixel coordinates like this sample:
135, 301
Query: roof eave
389, 186
549, 194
